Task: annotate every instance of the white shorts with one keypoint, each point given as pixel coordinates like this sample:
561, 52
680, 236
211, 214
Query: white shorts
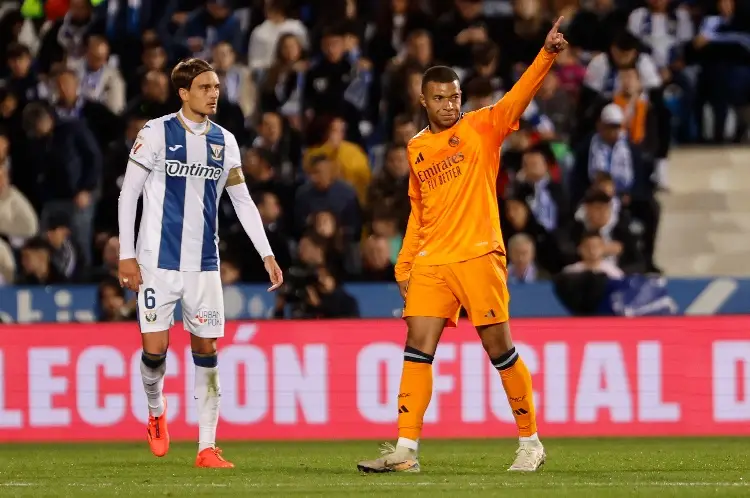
199, 292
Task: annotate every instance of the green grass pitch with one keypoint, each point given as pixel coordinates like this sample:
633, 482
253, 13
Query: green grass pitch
575, 467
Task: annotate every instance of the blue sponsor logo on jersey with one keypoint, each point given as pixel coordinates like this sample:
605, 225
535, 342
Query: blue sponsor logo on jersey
196, 170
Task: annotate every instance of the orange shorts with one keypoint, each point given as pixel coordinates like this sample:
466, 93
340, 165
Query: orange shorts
479, 285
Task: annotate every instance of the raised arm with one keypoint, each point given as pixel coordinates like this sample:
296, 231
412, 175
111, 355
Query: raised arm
509, 109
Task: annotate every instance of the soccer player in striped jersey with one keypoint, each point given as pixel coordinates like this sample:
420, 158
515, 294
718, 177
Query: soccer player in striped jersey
181, 163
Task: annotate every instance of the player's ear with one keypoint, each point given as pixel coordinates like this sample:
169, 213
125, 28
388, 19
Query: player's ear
183, 93
422, 100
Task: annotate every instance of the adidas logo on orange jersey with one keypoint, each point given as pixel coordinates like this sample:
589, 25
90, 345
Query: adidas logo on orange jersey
420, 158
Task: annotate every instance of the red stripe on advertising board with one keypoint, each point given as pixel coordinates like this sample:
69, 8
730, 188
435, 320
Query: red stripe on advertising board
339, 380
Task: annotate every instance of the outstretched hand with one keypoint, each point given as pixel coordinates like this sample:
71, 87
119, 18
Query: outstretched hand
555, 41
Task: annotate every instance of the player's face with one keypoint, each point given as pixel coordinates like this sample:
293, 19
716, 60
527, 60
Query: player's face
203, 96
443, 103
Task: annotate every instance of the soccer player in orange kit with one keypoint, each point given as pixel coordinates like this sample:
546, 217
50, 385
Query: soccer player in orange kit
453, 253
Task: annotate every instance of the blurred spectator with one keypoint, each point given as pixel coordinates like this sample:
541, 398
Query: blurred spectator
23, 81
283, 84
230, 271
263, 176
516, 218
390, 185
592, 251
386, 224
326, 299
283, 142
459, 29
664, 28
522, 267
110, 260
397, 19
640, 123
67, 164
328, 81
153, 58
570, 73
210, 24
154, 100
66, 38
350, 161
116, 160
376, 259
112, 302
723, 52
606, 150
558, 105
36, 265
544, 196
17, 216
7, 264
237, 85
593, 29
621, 244
265, 40
323, 192
64, 255
70, 104
523, 34
101, 82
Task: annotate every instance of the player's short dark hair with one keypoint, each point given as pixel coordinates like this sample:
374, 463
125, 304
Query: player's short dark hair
438, 74
187, 70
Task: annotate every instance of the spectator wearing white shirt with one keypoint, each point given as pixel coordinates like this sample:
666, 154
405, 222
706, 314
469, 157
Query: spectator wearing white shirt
100, 82
522, 267
591, 252
18, 220
265, 36
662, 28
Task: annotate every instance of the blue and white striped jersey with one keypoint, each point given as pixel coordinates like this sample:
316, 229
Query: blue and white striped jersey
188, 172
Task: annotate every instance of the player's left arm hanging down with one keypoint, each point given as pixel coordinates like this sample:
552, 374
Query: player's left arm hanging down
509, 109
249, 216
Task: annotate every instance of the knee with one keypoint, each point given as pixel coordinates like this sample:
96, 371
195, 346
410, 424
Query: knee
496, 340
204, 352
153, 360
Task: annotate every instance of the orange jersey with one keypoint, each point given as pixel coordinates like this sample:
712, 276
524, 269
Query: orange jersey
452, 185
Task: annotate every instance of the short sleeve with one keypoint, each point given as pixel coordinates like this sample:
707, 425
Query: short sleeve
232, 157
146, 147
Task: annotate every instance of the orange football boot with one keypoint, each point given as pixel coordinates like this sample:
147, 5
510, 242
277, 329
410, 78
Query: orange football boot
211, 458
156, 430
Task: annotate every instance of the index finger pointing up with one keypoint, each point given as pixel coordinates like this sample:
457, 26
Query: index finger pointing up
557, 24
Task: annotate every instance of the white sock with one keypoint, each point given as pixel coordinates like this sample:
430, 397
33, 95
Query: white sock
407, 443
534, 438
208, 396
153, 385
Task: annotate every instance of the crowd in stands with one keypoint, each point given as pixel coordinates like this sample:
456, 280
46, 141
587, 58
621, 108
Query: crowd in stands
323, 96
